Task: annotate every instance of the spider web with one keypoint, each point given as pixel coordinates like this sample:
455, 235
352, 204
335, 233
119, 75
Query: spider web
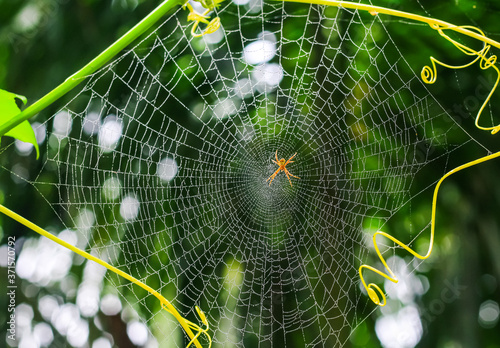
168, 149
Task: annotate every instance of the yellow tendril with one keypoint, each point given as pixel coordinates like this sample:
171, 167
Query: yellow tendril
195, 327
373, 290
187, 325
197, 18
429, 74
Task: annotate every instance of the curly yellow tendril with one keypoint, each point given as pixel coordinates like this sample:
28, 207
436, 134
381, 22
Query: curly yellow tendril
211, 26
373, 290
429, 74
187, 325
200, 330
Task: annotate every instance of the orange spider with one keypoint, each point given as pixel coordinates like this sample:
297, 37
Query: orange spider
282, 163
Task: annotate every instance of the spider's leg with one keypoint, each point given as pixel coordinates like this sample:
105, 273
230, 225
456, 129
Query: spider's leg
277, 155
271, 180
290, 159
288, 176
273, 175
295, 176
275, 162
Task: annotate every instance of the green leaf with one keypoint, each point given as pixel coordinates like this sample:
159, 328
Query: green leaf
9, 109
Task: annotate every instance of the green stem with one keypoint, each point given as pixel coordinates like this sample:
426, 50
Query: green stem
91, 67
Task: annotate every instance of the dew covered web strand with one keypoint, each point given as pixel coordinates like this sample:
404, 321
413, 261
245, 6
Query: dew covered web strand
168, 149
